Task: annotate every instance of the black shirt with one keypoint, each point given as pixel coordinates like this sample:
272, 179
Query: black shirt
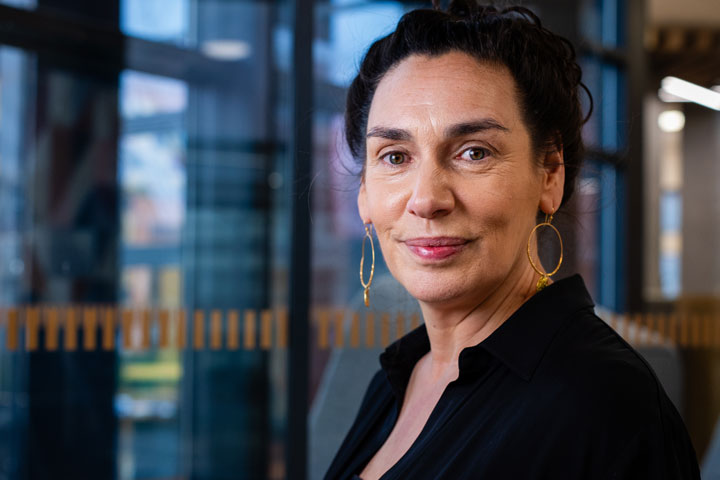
553, 393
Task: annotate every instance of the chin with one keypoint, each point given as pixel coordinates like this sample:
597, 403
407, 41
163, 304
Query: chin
433, 288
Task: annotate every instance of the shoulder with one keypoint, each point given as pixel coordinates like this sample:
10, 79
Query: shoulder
594, 366
607, 390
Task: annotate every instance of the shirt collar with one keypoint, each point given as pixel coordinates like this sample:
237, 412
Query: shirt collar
519, 342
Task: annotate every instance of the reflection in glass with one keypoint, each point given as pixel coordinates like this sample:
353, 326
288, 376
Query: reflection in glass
151, 174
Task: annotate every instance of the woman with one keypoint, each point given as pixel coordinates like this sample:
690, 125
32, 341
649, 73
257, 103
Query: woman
468, 124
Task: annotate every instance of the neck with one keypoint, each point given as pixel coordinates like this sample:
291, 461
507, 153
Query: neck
452, 327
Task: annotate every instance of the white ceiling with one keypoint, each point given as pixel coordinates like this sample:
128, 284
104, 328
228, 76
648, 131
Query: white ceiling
696, 13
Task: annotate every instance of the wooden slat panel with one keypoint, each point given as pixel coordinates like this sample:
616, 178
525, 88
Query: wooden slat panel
70, 334
414, 321
13, 329
385, 329
32, 328
323, 326
181, 339
673, 328
108, 329
695, 330
339, 328
52, 329
706, 335
199, 330
355, 330
369, 330
249, 340
662, 327
683, 319
233, 340
127, 328
89, 328
163, 328
400, 324
145, 331
215, 329
266, 329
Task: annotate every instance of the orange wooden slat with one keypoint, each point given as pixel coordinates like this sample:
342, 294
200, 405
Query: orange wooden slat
706, 337
233, 340
651, 337
199, 330
339, 328
215, 329
52, 329
13, 327
32, 328
266, 329
323, 327
684, 320
181, 319
400, 325
163, 328
70, 334
127, 327
385, 329
250, 320
673, 328
146, 326
661, 320
695, 329
89, 328
414, 321
108, 329
634, 332
355, 330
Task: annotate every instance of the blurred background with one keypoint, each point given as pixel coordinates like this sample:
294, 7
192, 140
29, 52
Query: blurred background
179, 237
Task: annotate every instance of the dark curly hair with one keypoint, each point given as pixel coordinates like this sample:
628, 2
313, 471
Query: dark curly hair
542, 63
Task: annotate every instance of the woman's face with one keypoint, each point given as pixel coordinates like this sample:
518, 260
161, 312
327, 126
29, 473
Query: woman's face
451, 183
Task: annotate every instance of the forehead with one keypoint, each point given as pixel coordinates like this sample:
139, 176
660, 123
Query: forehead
449, 88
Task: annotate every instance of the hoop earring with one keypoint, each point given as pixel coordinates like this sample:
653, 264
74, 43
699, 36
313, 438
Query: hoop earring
544, 277
366, 286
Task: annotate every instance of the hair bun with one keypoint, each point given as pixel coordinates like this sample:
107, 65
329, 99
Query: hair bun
463, 8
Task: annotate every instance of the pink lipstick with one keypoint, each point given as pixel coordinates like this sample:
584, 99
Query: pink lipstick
435, 248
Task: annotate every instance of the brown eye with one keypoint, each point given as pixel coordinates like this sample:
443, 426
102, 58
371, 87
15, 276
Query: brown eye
476, 153
395, 158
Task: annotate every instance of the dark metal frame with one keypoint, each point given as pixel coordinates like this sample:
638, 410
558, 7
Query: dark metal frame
298, 357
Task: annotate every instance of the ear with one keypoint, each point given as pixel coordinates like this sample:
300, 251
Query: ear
363, 204
553, 183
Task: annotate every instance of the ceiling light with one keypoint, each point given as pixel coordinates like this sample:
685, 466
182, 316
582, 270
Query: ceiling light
226, 50
667, 97
671, 121
690, 91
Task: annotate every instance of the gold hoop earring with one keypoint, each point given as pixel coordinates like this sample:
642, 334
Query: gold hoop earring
366, 286
544, 277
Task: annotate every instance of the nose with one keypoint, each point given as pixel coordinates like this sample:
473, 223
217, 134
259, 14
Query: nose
432, 196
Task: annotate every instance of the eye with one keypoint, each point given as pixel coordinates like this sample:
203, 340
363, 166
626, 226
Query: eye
394, 158
475, 154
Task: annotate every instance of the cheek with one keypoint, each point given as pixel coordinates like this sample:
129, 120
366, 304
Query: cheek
500, 207
385, 202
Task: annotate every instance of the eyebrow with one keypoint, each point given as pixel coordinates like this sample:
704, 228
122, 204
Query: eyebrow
457, 130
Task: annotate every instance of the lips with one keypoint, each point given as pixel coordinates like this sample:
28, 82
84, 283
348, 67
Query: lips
435, 248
